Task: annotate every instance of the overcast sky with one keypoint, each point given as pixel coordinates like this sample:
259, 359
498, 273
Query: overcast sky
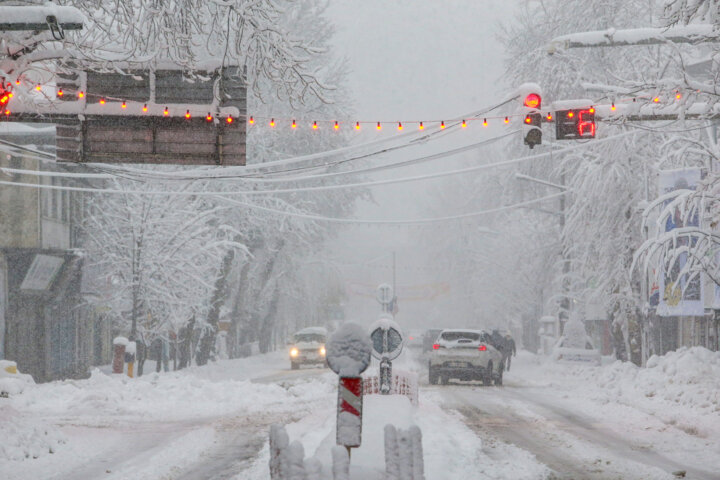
411, 59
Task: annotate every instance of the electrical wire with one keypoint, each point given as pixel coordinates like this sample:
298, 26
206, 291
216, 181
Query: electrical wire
375, 168
338, 186
420, 221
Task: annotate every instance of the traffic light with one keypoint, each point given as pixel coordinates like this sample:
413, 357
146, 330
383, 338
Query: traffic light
575, 123
532, 130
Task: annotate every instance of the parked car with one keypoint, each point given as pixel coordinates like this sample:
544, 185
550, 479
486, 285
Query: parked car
465, 355
575, 345
308, 347
429, 338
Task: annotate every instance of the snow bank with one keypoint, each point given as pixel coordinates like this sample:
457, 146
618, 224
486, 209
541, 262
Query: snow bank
22, 439
161, 397
688, 377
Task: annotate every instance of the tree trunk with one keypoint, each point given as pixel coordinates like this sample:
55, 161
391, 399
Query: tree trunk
618, 340
268, 324
235, 327
207, 339
185, 341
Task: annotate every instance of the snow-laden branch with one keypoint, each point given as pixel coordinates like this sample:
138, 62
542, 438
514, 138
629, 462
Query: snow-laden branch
635, 36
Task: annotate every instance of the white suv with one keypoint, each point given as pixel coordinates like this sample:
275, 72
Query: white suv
465, 355
308, 347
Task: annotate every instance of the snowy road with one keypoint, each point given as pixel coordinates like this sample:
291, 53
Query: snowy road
547, 422
575, 437
208, 423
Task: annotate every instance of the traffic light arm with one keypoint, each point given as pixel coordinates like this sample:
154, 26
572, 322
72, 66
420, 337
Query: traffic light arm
634, 112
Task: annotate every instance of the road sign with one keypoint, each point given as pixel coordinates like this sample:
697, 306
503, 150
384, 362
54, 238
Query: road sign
348, 350
386, 338
385, 294
349, 411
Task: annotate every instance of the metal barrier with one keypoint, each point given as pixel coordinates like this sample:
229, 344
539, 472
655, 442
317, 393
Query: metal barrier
403, 383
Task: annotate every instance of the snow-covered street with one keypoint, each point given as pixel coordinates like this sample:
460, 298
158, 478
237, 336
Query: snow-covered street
595, 422
548, 421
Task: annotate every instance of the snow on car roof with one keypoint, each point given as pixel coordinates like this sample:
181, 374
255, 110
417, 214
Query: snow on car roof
313, 330
462, 330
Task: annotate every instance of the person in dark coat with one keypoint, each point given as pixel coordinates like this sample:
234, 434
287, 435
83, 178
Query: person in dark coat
510, 350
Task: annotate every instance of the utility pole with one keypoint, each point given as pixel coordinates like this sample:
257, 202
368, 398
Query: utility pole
394, 260
565, 303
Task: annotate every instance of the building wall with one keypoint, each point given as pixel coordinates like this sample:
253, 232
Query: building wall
19, 217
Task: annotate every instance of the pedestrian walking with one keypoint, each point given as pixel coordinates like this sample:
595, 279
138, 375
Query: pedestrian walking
509, 351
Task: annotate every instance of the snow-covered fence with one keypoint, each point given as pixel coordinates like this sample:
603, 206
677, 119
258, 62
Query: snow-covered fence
288, 462
403, 454
403, 383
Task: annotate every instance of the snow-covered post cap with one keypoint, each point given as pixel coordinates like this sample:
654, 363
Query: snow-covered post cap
348, 350
120, 341
131, 348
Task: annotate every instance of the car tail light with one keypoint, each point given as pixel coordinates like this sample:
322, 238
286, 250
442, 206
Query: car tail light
482, 348
436, 346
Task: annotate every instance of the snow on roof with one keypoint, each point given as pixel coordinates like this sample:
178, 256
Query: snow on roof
571, 104
312, 330
463, 330
38, 15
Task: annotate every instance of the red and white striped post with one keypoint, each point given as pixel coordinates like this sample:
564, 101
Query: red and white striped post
349, 411
348, 355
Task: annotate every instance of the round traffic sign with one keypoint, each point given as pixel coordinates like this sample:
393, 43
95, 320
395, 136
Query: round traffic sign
348, 350
386, 338
384, 293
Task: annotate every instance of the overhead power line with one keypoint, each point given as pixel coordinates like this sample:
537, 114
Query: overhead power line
420, 221
338, 186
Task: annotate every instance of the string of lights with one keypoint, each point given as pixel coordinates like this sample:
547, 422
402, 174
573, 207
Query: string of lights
294, 123
230, 172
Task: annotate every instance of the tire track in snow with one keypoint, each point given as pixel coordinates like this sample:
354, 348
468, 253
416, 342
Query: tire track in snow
573, 445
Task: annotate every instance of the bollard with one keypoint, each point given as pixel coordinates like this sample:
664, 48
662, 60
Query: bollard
130, 357
119, 344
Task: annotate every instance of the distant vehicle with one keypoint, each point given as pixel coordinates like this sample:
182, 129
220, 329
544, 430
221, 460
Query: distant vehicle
429, 338
465, 355
414, 339
575, 345
308, 347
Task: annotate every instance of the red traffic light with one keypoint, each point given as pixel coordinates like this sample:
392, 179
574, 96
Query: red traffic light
533, 100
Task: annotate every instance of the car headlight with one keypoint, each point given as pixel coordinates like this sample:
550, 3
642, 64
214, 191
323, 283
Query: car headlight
322, 351
293, 352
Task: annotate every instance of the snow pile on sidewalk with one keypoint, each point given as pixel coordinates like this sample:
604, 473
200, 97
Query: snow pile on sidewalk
689, 377
171, 396
22, 439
